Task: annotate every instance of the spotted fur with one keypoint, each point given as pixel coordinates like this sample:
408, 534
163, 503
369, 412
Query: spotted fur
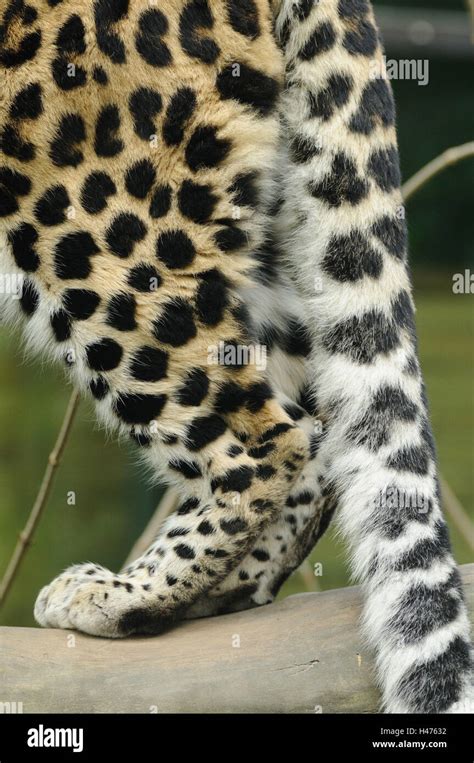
185, 179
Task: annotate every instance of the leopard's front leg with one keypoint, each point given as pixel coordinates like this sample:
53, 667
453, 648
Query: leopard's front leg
197, 547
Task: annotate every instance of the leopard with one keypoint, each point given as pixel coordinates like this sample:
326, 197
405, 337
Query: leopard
201, 203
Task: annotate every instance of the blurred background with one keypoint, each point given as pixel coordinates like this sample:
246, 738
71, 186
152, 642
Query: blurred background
113, 501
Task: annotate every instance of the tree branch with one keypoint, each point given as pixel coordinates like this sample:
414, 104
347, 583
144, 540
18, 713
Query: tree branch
169, 503
26, 536
456, 511
446, 159
262, 660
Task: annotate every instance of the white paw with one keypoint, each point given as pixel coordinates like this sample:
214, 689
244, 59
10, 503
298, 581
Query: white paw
52, 603
94, 604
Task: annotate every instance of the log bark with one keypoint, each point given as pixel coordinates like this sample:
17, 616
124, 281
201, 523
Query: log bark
301, 655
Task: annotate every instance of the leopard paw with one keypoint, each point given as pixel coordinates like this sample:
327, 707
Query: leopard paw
92, 600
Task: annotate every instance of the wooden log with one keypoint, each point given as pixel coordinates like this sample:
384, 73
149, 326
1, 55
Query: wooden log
301, 655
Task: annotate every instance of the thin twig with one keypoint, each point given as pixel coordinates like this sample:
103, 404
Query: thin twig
168, 504
458, 514
26, 536
446, 159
